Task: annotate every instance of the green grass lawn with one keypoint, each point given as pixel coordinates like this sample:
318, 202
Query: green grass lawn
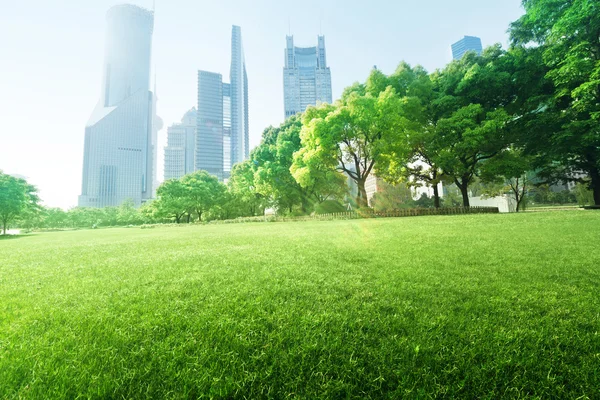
475, 306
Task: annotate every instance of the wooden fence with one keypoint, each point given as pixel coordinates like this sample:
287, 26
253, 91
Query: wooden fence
409, 212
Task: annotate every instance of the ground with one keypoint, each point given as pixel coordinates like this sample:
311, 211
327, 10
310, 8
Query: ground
474, 306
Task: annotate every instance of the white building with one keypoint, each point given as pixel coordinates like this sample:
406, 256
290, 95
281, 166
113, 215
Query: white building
121, 135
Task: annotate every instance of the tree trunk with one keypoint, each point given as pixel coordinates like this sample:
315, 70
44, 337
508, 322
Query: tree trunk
436, 196
361, 197
595, 185
464, 190
4, 227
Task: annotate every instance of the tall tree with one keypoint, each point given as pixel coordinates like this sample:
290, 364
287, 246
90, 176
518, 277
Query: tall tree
413, 156
349, 135
566, 131
277, 177
471, 107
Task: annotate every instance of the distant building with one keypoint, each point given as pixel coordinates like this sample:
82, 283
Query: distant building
180, 152
209, 142
119, 161
222, 134
466, 44
238, 78
306, 77
227, 131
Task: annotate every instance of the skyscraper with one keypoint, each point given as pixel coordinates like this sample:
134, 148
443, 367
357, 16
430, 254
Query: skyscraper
466, 44
306, 77
209, 142
180, 152
120, 136
222, 127
240, 147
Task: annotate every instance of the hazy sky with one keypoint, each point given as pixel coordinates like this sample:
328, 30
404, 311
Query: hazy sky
51, 55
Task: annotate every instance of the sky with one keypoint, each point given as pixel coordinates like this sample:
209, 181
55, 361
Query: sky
51, 56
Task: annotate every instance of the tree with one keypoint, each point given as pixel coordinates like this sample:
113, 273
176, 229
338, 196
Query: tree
201, 192
565, 132
393, 197
472, 97
245, 200
171, 201
17, 197
348, 136
411, 158
288, 184
508, 173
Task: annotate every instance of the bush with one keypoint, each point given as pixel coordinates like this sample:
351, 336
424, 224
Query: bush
330, 207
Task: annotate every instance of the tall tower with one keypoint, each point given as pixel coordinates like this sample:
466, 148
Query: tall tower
222, 132
120, 136
466, 44
240, 147
306, 77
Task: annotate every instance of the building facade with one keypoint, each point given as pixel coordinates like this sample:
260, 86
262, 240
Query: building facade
222, 125
180, 152
238, 78
306, 77
121, 135
209, 142
466, 44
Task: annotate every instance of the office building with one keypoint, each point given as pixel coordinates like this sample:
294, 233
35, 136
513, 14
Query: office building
466, 44
120, 136
222, 123
209, 140
180, 152
306, 77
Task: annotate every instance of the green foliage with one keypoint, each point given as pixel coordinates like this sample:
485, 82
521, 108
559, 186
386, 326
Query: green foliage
392, 197
348, 136
584, 196
245, 199
330, 207
18, 199
510, 172
432, 307
473, 98
288, 184
202, 192
565, 132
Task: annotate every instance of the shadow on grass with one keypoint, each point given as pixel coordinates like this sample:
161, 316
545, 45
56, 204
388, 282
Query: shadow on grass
12, 237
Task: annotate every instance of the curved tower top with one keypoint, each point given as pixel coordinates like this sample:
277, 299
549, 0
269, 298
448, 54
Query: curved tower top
128, 53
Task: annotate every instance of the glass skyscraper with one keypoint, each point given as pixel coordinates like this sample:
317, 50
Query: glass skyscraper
466, 44
121, 135
180, 152
306, 77
209, 142
222, 127
240, 147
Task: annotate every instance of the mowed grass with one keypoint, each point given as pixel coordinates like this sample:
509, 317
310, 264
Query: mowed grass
481, 306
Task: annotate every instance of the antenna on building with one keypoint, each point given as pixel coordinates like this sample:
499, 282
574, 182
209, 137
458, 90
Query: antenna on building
154, 6
290, 25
